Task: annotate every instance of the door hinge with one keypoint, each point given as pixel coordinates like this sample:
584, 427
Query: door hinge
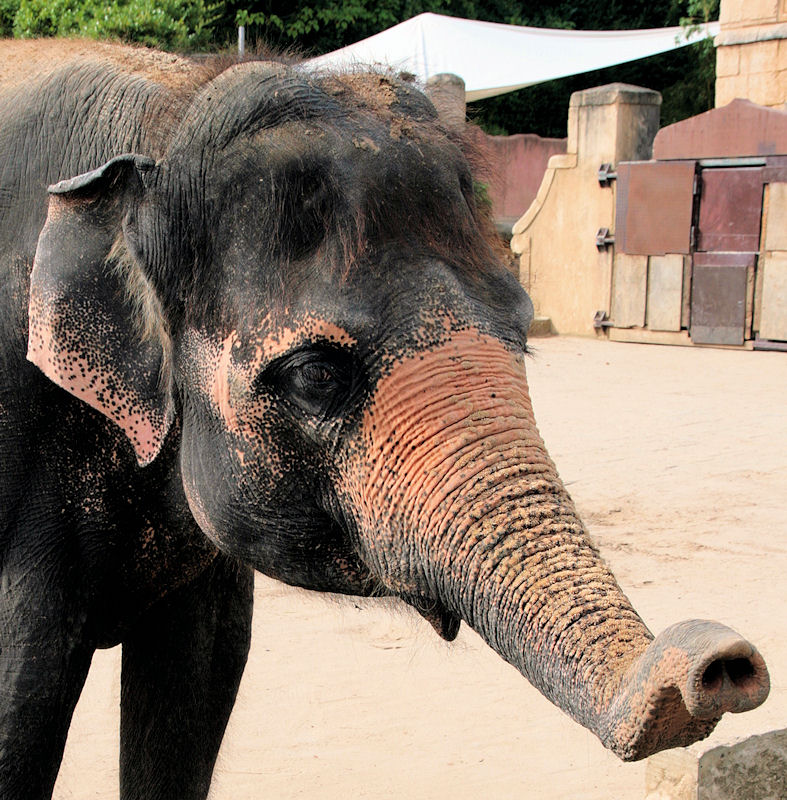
604, 238
606, 174
600, 320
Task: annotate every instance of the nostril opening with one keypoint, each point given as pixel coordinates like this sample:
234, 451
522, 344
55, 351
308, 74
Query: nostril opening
713, 675
739, 670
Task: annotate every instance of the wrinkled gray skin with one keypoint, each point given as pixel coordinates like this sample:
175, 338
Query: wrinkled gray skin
269, 304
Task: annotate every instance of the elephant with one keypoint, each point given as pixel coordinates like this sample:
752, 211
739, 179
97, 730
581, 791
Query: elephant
256, 318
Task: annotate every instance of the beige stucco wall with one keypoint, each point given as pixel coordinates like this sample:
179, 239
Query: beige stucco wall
567, 276
751, 55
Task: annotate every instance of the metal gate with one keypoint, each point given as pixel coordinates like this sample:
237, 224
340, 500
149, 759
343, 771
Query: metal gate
689, 236
729, 215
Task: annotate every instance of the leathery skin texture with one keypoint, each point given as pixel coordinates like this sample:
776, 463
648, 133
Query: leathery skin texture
449, 464
267, 325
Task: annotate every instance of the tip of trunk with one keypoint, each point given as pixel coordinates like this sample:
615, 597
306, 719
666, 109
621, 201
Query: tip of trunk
730, 676
678, 689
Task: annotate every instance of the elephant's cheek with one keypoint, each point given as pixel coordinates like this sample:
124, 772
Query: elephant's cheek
203, 474
229, 478
198, 510
226, 458
442, 422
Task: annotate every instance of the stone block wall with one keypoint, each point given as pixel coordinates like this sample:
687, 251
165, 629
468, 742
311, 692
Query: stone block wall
751, 55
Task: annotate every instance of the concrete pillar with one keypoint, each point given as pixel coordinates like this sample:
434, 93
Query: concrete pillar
751, 55
613, 123
447, 93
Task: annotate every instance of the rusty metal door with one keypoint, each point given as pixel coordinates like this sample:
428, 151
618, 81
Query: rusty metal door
728, 239
718, 297
654, 207
730, 210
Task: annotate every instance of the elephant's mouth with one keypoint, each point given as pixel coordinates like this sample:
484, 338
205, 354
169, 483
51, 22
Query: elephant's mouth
445, 622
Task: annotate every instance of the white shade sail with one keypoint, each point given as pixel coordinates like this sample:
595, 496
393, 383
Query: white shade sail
493, 59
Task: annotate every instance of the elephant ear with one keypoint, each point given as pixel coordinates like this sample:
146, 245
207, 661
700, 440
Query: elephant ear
85, 332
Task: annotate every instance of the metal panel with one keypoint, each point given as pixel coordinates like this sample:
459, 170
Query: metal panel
665, 292
775, 169
773, 305
730, 210
718, 297
738, 129
629, 285
654, 203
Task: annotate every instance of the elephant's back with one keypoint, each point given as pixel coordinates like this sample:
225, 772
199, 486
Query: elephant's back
23, 61
68, 106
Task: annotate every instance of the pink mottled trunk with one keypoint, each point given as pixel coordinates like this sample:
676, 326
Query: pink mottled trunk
458, 501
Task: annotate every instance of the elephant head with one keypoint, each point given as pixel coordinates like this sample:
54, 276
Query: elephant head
305, 285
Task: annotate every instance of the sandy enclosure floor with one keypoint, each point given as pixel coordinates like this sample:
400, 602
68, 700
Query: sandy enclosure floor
677, 460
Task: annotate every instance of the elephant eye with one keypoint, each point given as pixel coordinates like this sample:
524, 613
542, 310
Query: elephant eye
317, 380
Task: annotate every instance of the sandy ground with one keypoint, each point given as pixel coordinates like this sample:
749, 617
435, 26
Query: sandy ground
677, 459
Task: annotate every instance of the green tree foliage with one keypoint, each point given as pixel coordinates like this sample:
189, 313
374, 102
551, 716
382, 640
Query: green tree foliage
319, 26
8, 9
171, 24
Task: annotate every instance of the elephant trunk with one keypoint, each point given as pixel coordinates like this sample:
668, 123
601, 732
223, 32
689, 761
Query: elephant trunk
537, 591
460, 506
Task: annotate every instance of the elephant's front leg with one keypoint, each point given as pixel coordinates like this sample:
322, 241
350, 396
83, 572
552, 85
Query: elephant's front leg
45, 655
181, 671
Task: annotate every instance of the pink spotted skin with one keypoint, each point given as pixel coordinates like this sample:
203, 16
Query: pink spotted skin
99, 388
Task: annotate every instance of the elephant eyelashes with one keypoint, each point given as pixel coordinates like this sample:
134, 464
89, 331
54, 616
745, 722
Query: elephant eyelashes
318, 381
